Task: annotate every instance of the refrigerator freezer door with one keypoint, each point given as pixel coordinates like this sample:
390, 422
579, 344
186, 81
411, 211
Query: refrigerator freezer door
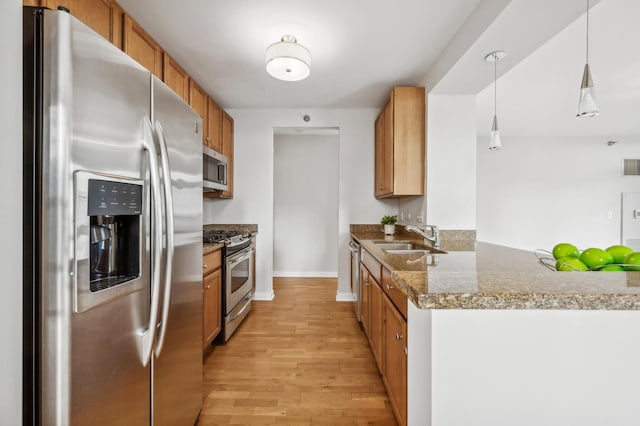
177, 366
95, 99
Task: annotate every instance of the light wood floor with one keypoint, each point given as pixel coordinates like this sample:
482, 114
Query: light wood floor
298, 360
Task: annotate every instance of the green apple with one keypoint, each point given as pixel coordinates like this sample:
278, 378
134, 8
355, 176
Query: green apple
565, 250
632, 261
619, 253
612, 268
570, 264
594, 257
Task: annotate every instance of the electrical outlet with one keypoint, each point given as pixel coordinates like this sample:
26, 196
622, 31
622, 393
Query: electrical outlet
419, 217
408, 215
609, 215
401, 215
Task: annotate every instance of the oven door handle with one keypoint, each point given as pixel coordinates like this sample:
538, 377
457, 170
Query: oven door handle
246, 299
231, 262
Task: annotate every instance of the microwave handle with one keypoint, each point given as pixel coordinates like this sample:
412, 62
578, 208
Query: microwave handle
224, 172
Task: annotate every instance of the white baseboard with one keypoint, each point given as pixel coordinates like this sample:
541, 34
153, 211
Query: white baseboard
344, 297
264, 295
305, 274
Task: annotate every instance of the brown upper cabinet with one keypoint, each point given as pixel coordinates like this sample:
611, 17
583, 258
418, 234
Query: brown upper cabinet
198, 101
103, 16
214, 126
141, 47
175, 77
400, 144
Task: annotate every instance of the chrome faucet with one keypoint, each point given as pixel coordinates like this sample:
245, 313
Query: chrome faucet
434, 239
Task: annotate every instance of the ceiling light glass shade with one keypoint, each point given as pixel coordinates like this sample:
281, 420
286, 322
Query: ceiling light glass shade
588, 105
496, 141
288, 60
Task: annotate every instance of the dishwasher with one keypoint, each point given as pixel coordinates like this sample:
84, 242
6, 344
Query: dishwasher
356, 252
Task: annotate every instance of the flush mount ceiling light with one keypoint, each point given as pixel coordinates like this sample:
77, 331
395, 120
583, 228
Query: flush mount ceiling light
287, 60
496, 141
588, 105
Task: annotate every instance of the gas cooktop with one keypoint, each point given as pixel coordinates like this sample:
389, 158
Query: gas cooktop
219, 236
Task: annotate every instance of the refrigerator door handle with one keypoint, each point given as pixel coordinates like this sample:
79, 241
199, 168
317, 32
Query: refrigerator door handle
168, 199
147, 336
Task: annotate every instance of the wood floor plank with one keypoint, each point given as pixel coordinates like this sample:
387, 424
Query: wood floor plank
300, 359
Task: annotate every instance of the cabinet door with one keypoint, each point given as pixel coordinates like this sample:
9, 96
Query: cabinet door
395, 360
376, 299
214, 126
35, 3
198, 101
103, 16
141, 47
387, 150
364, 294
175, 77
211, 308
227, 150
379, 162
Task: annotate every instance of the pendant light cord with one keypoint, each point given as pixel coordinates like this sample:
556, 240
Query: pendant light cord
587, 61
495, 85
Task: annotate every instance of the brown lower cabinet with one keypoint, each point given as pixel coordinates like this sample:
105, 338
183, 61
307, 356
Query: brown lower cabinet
384, 321
395, 360
211, 297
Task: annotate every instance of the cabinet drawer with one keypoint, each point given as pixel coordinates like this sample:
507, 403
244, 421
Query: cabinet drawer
396, 295
211, 262
372, 265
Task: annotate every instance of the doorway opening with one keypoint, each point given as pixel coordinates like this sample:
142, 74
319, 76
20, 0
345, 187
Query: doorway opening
305, 202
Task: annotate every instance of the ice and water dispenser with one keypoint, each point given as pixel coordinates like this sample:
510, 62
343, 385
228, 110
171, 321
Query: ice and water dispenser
110, 238
114, 210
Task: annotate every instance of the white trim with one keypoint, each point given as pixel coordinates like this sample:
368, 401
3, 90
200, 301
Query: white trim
345, 297
306, 274
264, 295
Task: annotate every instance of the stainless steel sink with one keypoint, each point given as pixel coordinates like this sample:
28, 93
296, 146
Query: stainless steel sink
406, 248
408, 251
399, 246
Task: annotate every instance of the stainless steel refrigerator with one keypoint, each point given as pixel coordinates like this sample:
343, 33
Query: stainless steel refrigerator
112, 235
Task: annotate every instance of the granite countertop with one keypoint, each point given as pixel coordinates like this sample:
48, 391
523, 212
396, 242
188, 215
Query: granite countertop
488, 276
208, 248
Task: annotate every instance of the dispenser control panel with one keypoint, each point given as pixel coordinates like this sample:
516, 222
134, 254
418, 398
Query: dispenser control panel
114, 198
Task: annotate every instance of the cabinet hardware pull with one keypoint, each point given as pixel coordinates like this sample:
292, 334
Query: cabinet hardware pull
204, 266
398, 336
389, 287
406, 351
208, 287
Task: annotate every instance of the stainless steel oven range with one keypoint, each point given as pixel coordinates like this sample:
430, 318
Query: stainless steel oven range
237, 277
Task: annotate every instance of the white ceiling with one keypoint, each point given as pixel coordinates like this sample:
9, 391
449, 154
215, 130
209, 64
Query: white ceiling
360, 48
539, 96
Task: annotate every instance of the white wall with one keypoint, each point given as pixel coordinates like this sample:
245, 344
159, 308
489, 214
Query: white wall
253, 191
450, 201
305, 207
11, 213
539, 191
555, 179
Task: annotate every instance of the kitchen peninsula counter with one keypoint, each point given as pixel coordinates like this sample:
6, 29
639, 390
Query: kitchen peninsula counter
495, 338
489, 276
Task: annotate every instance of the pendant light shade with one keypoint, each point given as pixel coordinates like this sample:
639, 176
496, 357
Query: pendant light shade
496, 141
588, 104
287, 60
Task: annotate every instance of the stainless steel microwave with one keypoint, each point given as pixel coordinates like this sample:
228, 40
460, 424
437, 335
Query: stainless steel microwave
214, 171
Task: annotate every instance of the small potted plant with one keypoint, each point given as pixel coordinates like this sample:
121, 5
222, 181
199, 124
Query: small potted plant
389, 223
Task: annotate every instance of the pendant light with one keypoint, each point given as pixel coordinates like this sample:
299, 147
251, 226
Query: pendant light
496, 142
588, 105
287, 60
